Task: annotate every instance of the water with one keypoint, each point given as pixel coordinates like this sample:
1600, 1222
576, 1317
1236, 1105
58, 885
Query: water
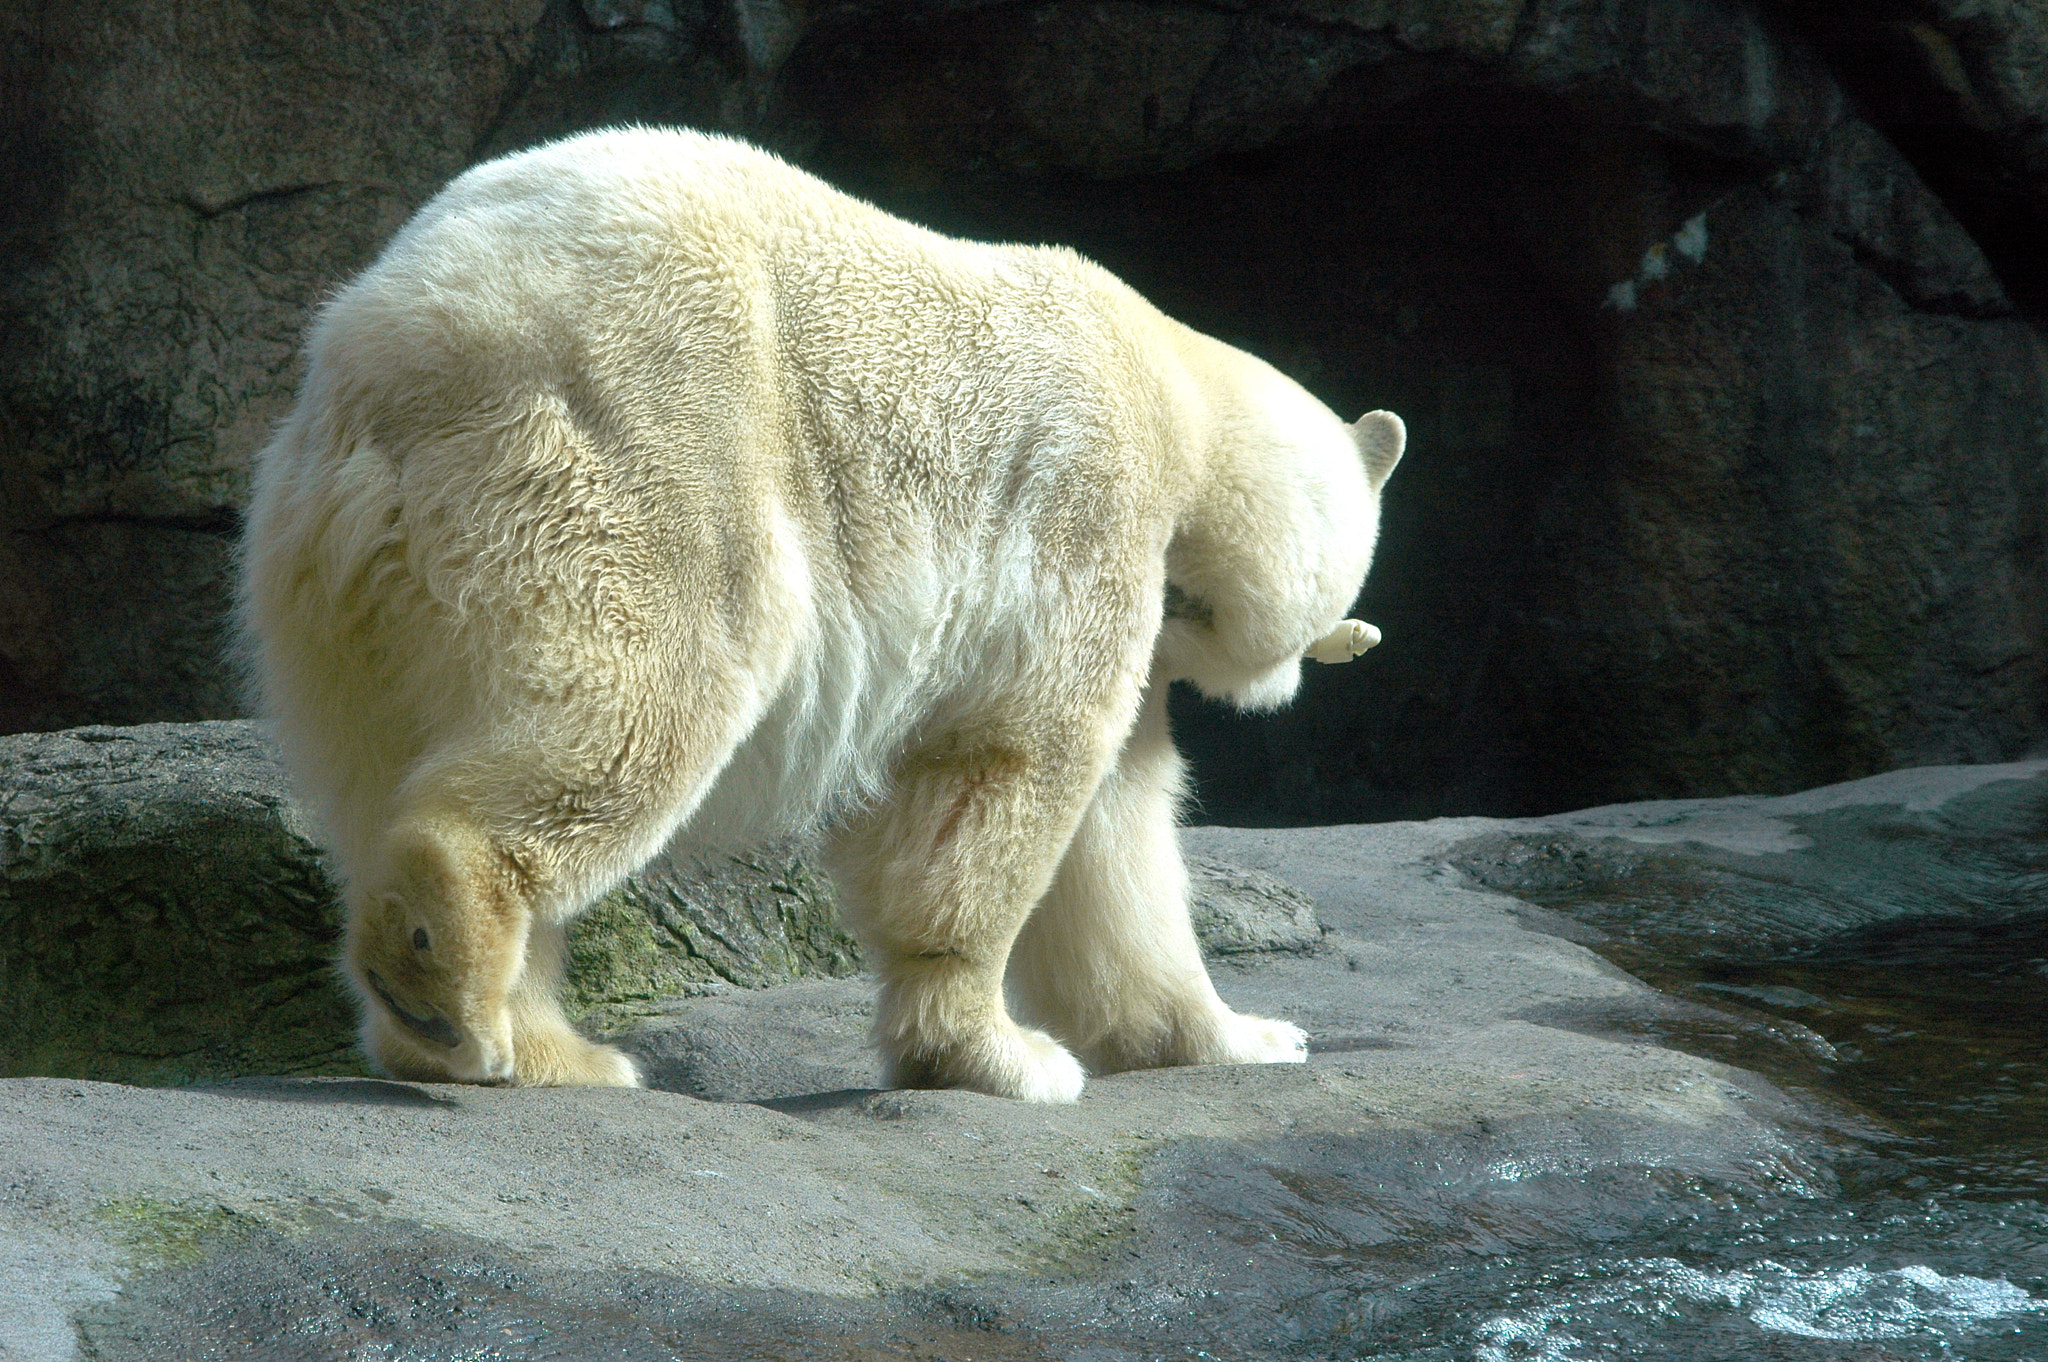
1860, 1263
1595, 1314
1913, 1003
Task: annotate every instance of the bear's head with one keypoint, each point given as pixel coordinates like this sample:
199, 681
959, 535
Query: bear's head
435, 946
1274, 551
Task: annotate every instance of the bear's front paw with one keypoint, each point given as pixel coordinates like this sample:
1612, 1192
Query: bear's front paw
1259, 1040
557, 1057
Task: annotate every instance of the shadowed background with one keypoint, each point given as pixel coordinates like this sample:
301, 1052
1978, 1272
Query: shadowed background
1716, 326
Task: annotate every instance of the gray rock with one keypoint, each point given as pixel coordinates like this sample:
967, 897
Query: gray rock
726, 1045
739, 1046
690, 923
1962, 86
164, 912
1782, 874
1438, 1132
1873, 200
191, 191
1241, 912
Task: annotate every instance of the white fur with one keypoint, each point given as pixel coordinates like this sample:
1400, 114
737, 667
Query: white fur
647, 488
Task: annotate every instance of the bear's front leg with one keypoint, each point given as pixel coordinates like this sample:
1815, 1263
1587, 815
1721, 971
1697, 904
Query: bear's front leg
547, 1051
1110, 961
937, 881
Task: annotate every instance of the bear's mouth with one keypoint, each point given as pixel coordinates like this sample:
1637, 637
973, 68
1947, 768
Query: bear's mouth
437, 1028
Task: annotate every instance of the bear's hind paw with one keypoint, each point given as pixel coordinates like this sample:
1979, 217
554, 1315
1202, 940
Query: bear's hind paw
1029, 1066
567, 1060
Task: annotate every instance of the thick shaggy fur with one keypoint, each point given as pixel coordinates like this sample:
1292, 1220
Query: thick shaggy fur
647, 488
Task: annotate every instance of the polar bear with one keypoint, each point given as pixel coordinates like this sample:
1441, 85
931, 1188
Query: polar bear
646, 489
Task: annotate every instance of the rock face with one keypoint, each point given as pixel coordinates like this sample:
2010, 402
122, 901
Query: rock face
1728, 433
1957, 84
1497, 1144
1244, 912
192, 182
166, 917
689, 924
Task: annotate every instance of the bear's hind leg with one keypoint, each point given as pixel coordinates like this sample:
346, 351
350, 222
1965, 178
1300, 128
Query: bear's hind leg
457, 939
437, 937
1109, 961
547, 1051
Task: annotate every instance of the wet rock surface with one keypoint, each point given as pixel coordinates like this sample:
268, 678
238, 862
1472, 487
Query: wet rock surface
1484, 1156
1885, 952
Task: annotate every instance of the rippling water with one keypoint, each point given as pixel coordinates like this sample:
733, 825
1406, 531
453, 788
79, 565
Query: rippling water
1631, 1265
1914, 1000
1663, 1303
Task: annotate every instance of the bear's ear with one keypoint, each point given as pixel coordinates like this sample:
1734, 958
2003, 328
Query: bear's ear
1380, 437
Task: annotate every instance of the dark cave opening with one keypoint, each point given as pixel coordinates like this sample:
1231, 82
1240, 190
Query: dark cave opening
1448, 263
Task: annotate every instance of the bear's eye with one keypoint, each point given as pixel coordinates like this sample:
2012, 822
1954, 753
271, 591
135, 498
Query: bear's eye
419, 938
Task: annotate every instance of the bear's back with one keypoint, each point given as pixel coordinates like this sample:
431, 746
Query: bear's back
673, 278
917, 472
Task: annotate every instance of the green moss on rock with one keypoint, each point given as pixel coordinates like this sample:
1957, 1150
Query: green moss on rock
160, 1234
166, 917
755, 920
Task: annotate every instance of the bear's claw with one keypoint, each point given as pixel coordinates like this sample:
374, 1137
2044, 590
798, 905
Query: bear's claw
1348, 640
